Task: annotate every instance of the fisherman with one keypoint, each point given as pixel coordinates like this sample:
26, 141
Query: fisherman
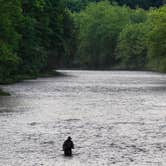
68, 146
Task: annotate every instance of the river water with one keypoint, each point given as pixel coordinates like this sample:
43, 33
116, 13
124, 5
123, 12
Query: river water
114, 118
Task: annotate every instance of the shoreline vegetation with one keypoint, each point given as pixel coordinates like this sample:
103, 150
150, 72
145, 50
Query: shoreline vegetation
50, 73
121, 37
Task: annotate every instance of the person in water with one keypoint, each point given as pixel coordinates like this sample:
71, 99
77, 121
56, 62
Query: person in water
68, 146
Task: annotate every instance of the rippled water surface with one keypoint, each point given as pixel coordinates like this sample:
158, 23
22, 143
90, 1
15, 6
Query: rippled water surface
114, 117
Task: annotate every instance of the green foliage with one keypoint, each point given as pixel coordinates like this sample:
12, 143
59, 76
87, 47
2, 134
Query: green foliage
76, 5
138, 16
32, 49
109, 35
132, 42
8, 62
10, 16
55, 44
132, 47
69, 41
157, 39
99, 27
33, 37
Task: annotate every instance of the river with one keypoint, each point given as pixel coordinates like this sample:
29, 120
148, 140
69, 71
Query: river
114, 118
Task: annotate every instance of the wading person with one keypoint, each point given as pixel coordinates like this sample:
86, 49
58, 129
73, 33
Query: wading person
68, 146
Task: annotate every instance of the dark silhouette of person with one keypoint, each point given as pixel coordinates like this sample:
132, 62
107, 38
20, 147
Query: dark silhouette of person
68, 146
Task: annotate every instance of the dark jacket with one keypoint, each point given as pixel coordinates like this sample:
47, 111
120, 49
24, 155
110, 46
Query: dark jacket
67, 147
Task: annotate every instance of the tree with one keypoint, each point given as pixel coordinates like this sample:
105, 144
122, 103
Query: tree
32, 37
99, 27
157, 39
10, 16
132, 47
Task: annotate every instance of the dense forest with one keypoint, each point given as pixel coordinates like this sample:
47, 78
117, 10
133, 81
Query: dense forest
34, 37
112, 36
39, 35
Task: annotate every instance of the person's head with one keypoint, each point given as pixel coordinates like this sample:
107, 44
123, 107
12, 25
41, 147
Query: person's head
69, 138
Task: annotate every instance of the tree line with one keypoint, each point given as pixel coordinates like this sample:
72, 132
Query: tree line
78, 5
112, 36
34, 37
39, 35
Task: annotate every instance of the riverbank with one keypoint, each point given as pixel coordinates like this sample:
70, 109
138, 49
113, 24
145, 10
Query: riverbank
115, 68
20, 78
2, 93
51, 73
